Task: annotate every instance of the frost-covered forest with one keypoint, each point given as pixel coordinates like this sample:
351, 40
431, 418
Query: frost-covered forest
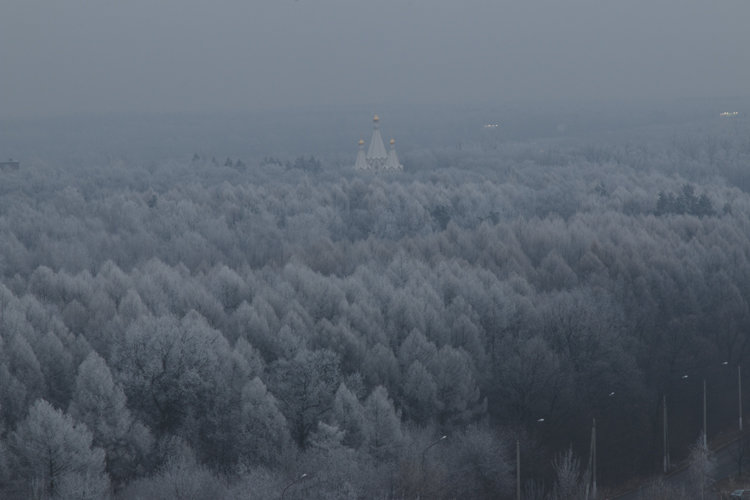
190, 328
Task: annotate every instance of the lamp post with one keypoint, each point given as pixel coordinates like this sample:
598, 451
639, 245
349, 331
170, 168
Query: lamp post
518, 462
704, 442
283, 492
424, 452
592, 451
739, 393
705, 438
665, 428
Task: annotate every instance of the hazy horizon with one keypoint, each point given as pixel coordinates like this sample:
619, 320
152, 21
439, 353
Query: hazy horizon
192, 57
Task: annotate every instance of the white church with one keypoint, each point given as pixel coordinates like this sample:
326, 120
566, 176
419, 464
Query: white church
377, 158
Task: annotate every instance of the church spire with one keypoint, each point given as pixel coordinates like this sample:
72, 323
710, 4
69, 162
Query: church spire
361, 163
392, 162
376, 154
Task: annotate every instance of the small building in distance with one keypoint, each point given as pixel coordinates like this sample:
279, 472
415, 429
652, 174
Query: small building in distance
9, 165
377, 158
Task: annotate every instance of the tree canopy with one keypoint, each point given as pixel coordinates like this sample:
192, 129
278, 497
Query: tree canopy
242, 326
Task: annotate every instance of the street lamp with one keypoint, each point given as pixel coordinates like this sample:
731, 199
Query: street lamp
665, 425
705, 419
518, 462
705, 424
424, 452
739, 392
283, 492
592, 450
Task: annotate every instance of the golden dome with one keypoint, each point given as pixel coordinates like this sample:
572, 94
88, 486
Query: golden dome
375, 118
361, 142
393, 141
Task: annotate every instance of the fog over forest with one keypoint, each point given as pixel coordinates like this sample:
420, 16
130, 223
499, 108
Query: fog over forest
208, 292
217, 322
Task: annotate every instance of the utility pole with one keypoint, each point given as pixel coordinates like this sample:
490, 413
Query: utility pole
518, 470
705, 438
664, 427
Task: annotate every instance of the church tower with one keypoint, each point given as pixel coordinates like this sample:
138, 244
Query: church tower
392, 162
361, 163
377, 158
376, 154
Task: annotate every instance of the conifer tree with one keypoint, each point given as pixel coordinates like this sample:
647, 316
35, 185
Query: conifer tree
100, 403
349, 415
54, 456
383, 431
264, 432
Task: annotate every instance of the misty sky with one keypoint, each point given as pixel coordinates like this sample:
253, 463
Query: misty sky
74, 56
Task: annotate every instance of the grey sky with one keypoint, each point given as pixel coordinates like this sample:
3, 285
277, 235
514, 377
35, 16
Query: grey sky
72, 56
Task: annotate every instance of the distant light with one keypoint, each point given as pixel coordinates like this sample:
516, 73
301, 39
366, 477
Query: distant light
540, 420
684, 377
611, 394
727, 114
725, 363
491, 125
